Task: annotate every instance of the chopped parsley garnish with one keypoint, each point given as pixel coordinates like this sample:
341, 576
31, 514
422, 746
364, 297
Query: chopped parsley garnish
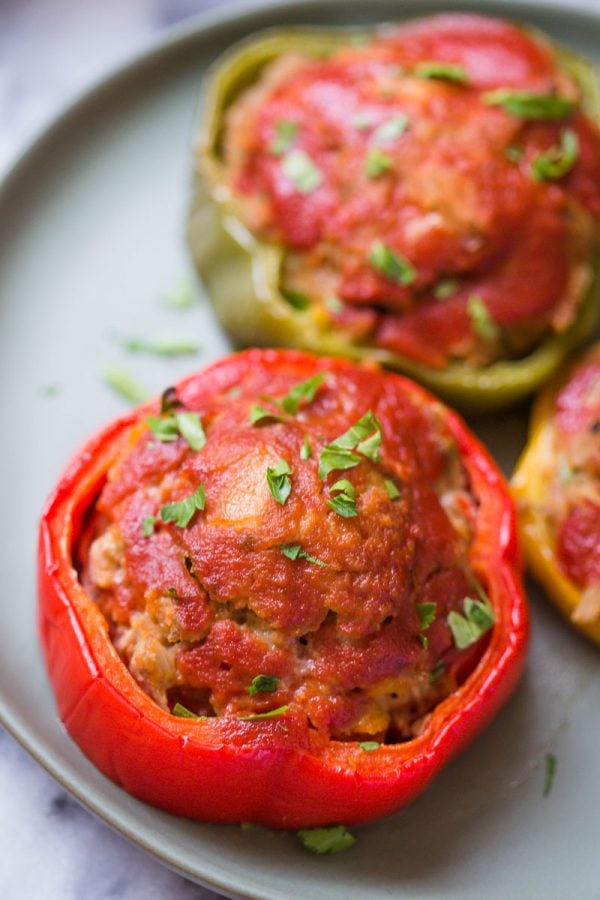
377, 162
550, 773
514, 154
391, 129
344, 503
364, 436
285, 133
445, 288
326, 840
162, 346
305, 451
259, 415
482, 323
437, 671
296, 299
301, 171
391, 265
468, 628
254, 717
182, 512
279, 481
557, 162
180, 298
183, 712
529, 105
167, 428
295, 551
392, 491
263, 684
369, 746
305, 390
125, 385
442, 71
148, 523
426, 613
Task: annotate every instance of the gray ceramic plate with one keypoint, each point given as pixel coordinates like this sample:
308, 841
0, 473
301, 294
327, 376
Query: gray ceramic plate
91, 223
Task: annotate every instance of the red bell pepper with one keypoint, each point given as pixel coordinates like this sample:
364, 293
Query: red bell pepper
273, 771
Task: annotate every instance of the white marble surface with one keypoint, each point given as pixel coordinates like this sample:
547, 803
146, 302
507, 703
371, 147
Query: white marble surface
51, 847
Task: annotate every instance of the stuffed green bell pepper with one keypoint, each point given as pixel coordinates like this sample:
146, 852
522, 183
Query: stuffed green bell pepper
425, 195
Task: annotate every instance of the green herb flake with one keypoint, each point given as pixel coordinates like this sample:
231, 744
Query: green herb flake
295, 551
426, 613
305, 450
529, 105
482, 322
182, 512
437, 671
336, 458
301, 171
162, 346
165, 429
296, 299
391, 489
125, 385
304, 391
182, 297
279, 481
190, 428
148, 523
263, 684
326, 840
391, 265
442, 71
183, 712
364, 436
259, 416
377, 162
344, 503
369, 746
285, 134
255, 717
514, 154
391, 129
551, 762
468, 628
446, 288
555, 163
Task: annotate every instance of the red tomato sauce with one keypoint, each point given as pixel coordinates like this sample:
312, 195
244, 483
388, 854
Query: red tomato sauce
443, 194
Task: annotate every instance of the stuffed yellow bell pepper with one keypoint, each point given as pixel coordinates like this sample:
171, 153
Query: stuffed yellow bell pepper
424, 195
557, 489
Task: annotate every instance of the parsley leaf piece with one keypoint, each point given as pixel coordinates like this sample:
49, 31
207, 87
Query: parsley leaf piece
259, 415
148, 523
391, 129
426, 613
295, 551
529, 105
442, 71
445, 288
344, 503
557, 162
437, 671
279, 481
263, 684
165, 429
389, 264
326, 840
162, 346
468, 628
482, 322
369, 746
392, 491
125, 385
334, 458
551, 762
377, 162
514, 154
305, 390
305, 451
296, 299
182, 512
285, 133
301, 171
190, 428
182, 297
364, 436
180, 710
254, 717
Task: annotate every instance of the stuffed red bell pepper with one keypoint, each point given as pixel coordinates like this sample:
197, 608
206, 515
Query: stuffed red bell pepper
288, 593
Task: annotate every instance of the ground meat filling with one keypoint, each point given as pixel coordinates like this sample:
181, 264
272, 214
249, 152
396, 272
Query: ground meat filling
414, 206
281, 579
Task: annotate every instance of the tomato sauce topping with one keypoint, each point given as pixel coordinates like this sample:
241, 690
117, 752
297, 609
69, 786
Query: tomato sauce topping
334, 582
402, 188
